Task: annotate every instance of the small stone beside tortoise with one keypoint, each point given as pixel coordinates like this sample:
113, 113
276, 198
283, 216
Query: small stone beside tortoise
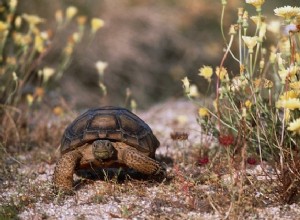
106, 137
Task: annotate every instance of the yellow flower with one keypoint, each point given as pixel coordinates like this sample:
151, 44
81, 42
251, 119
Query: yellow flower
101, 66
294, 126
222, 74
203, 112
292, 104
33, 20
3, 26
206, 72
289, 95
29, 99
96, 24
39, 43
295, 85
250, 42
248, 103
287, 12
288, 73
71, 11
256, 3
186, 84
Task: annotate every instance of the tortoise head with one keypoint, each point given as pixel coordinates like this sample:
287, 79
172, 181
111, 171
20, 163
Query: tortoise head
103, 149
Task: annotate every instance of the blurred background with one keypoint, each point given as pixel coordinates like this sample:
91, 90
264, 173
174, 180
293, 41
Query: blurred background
149, 47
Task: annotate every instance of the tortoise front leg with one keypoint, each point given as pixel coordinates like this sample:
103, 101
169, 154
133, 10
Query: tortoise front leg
64, 170
137, 160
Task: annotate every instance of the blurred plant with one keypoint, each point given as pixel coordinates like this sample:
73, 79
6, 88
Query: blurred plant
257, 111
23, 47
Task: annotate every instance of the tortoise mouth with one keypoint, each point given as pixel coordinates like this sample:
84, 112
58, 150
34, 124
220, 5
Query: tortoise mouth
103, 150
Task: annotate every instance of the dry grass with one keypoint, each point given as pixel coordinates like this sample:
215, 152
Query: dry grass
211, 191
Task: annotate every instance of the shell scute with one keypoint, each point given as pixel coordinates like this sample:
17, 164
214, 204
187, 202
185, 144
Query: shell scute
112, 123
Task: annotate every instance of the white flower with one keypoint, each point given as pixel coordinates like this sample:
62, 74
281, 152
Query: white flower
287, 12
250, 42
71, 11
101, 66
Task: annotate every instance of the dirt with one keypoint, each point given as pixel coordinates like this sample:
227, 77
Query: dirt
27, 191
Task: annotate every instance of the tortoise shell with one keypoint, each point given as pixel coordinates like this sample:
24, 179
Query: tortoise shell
110, 123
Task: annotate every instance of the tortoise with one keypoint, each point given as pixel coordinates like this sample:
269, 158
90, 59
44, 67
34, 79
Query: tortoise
106, 137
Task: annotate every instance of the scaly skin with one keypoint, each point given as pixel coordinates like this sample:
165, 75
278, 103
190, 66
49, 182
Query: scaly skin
65, 168
127, 155
137, 160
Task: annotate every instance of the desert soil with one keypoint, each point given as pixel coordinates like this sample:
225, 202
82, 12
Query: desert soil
27, 189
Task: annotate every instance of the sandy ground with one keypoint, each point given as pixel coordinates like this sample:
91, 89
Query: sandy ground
181, 197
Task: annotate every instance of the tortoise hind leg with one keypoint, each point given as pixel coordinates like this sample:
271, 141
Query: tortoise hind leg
64, 170
138, 161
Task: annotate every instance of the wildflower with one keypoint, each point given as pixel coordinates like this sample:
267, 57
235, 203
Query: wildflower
284, 46
3, 26
101, 66
76, 37
47, 72
179, 136
222, 74
81, 20
288, 73
293, 103
272, 57
206, 72
295, 126
248, 103
226, 140
237, 83
232, 30
256, 3
289, 95
244, 112
274, 26
96, 24
250, 42
203, 160
59, 16
257, 20
203, 112
71, 11
268, 84
32, 20
186, 84
39, 92
287, 12
39, 43
262, 31
15, 77
193, 91
13, 4
295, 85
251, 160
18, 22
29, 99
58, 110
